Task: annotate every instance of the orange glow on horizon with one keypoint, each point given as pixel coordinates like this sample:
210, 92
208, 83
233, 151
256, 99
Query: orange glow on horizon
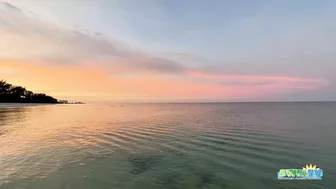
87, 82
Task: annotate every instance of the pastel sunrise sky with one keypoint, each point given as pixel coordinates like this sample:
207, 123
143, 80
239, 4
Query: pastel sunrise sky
171, 50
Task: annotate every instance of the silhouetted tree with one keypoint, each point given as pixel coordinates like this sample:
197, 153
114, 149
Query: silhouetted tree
29, 95
18, 91
11, 93
4, 87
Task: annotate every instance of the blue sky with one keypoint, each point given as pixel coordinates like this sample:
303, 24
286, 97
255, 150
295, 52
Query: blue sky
222, 30
235, 28
269, 38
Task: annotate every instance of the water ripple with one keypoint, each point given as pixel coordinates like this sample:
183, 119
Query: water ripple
165, 146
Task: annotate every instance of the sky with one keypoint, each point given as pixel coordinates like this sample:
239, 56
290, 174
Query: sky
171, 50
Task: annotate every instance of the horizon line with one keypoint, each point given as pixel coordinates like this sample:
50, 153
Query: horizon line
210, 102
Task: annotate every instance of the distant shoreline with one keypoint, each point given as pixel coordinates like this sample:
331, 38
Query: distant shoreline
18, 105
29, 103
38, 103
16, 94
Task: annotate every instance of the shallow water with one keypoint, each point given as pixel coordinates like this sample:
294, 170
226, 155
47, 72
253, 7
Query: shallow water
231, 146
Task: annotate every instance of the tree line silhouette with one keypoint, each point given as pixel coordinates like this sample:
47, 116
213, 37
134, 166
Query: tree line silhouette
11, 93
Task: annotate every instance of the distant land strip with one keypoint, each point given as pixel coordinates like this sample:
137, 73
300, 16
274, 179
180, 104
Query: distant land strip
17, 94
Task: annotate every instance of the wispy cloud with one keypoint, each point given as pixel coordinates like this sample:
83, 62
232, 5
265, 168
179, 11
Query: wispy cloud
81, 62
262, 80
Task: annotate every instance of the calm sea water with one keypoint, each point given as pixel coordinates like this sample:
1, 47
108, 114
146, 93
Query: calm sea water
230, 146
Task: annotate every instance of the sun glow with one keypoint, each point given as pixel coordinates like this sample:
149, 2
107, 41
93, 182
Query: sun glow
311, 167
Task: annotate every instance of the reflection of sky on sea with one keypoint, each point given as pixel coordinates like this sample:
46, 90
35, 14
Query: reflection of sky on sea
161, 145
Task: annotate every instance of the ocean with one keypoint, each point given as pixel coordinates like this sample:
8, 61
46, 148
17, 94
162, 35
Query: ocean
168, 146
